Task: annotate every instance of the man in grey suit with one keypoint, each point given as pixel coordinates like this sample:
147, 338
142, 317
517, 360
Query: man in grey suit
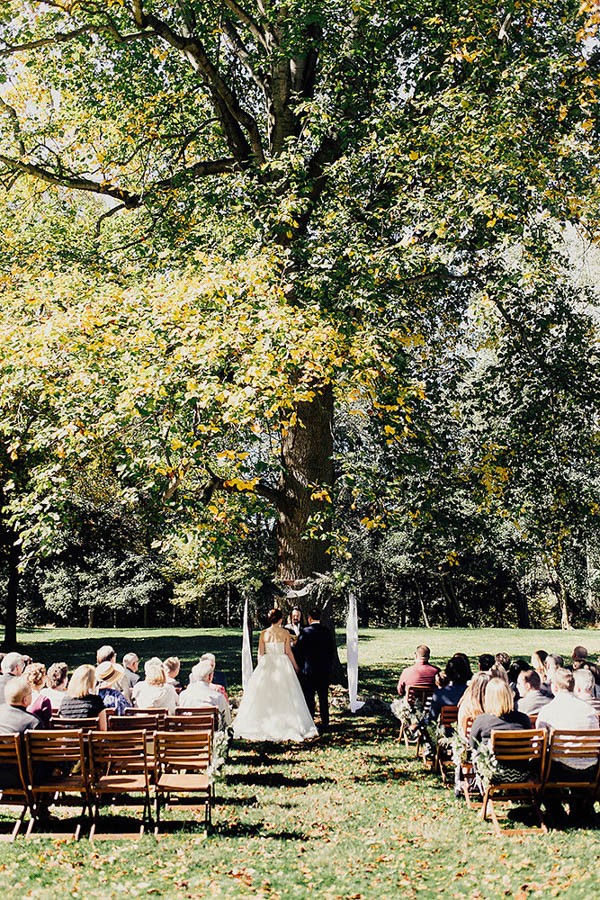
12, 666
14, 718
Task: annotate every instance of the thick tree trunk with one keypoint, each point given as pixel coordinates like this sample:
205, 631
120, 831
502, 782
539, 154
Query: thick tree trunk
522, 609
454, 612
12, 591
307, 469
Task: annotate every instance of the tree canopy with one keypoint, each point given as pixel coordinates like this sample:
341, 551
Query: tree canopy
293, 274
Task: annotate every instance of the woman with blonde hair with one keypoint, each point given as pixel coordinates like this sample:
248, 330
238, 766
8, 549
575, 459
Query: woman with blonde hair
154, 692
81, 699
499, 713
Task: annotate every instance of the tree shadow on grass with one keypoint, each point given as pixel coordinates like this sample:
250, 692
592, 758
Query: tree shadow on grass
244, 829
276, 779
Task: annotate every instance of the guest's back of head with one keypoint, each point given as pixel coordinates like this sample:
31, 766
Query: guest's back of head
423, 653
499, 700
105, 654
82, 682
12, 664
503, 659
57, 675
18, 691
486, 661
563, 680
584, 682
35, 673
202, 671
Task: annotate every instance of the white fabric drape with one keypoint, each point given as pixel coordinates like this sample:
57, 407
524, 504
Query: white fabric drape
352, 652
247, 667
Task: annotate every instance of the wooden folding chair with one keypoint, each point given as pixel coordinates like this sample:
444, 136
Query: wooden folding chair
416, 695
182, 759
443, 755
516, 751
560, 778
57, 764
119, 767
16, 792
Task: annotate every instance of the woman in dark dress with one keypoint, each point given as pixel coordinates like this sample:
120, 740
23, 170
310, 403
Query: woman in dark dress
81, 700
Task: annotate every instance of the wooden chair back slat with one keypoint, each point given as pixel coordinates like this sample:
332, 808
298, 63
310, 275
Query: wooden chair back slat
519, 745
199, 710
448, 715
135, 723
177, 750
84, 723
197, 722
54, 746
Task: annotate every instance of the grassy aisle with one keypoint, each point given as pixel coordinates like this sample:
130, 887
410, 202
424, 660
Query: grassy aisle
352, 815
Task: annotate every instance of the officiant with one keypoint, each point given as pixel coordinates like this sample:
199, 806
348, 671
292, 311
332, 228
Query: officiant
295, 626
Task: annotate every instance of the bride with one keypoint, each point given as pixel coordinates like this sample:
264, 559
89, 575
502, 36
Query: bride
273, 707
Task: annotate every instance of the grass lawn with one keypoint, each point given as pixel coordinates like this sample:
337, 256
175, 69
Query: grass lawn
352, 815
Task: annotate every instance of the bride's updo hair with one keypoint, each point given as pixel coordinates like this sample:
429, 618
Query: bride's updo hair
275, 615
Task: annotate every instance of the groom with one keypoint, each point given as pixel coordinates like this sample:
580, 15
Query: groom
314, 652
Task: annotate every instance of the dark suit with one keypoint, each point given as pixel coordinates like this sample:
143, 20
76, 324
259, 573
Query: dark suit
314, 652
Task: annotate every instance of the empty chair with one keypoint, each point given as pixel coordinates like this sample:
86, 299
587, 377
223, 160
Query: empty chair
13, 779
182, 760
119, 767
57, 764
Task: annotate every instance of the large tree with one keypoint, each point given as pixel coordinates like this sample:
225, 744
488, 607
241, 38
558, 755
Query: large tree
388, 155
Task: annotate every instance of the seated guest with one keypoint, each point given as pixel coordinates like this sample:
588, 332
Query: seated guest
12, 666
106, 653
171, 668
219, 682
486, 661
531, 698
154, 692
581, 661
56, 683
108, 680
81, 700
14, 718
514, 670
566, 710
457, 674
499, 713
498, 671
131, 664
422, 672
201, 692
585, 684
40, 705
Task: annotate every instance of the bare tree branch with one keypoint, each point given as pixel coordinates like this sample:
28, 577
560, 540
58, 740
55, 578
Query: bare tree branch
247, 20
16, 127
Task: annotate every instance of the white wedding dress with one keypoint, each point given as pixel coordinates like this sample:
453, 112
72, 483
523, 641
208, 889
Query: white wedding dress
273, 707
